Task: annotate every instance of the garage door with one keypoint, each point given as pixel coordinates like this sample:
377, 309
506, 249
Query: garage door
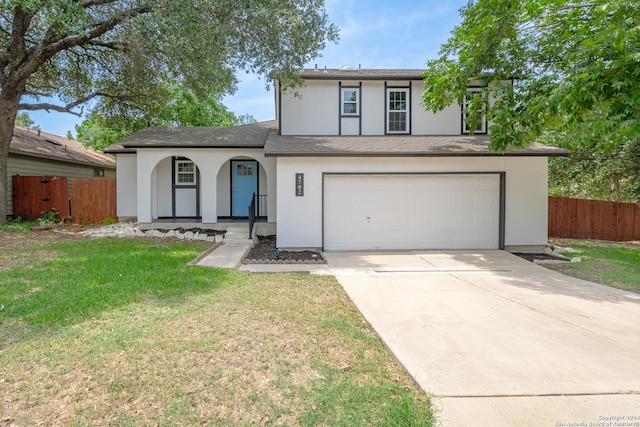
443, 211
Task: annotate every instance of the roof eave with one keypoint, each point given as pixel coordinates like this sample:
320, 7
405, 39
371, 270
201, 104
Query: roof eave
415, 154
60, 159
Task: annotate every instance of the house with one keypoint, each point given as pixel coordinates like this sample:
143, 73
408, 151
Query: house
36, 153
352, 162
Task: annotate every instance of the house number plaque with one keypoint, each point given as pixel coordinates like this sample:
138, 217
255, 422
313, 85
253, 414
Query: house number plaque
299, 184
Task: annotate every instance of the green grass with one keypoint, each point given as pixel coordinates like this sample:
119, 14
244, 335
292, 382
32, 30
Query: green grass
123, 332
616, 265
89, 277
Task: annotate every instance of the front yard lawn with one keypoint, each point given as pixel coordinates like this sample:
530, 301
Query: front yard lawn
612, 264
124, 332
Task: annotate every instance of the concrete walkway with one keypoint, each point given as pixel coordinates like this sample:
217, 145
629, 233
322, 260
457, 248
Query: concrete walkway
234, 247
500, 341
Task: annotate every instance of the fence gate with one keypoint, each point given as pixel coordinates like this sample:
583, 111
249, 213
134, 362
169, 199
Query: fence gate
33, 195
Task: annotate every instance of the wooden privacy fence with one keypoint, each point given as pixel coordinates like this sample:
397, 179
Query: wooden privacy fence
90, 200
93, 199
593, 219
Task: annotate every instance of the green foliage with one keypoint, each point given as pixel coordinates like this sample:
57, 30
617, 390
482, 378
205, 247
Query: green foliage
174, 106
575, 67
23, 119
18, 225
109, 221
596, 174
49, 217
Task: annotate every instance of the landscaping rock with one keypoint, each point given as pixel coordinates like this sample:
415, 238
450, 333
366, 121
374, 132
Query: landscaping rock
132, 230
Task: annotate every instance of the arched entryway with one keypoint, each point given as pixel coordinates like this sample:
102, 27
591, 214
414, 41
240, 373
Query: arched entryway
239, 180
176, 189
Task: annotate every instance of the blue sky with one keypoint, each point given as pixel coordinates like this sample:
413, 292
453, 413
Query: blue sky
373, 34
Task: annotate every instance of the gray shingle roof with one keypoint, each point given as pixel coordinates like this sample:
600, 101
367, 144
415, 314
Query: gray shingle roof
361, 74
253, 135
394, 145
265, 134
53, 147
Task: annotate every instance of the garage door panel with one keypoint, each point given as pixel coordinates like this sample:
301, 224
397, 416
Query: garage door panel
411, 211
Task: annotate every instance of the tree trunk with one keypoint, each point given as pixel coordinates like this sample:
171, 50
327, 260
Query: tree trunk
9, 100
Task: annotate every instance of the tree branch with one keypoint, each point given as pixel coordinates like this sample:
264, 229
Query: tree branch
46, 51
62, 108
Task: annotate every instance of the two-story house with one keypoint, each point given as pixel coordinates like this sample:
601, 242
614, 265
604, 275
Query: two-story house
352, 162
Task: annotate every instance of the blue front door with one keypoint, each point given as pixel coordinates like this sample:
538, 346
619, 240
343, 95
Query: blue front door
244, 182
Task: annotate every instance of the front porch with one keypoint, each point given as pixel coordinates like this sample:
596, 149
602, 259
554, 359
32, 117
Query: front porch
211, 188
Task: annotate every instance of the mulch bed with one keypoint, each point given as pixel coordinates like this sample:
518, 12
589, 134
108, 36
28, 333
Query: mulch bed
541, 257
265, 252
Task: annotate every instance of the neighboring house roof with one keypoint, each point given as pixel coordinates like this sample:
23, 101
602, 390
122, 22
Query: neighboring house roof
361, 74
253, 135
395, 145
52, 147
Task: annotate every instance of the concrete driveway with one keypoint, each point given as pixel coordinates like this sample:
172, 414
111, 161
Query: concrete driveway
497, 340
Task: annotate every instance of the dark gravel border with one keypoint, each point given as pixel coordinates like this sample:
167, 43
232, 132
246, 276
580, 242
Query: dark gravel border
265, 252
540, 257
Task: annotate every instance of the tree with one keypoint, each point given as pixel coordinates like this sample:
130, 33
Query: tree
109, 122
128, 50
574, 64
23, 119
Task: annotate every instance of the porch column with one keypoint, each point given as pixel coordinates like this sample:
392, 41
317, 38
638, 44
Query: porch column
145, 169
208, 189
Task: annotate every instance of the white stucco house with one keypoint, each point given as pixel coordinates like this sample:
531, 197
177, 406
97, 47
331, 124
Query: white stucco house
354, 162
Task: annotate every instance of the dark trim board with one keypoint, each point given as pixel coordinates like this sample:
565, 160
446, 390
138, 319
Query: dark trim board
432, 154
502, 195
175, 186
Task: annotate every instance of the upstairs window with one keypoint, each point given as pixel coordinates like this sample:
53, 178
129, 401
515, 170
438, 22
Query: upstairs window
466, 127
350, 101
185, 172
397, 110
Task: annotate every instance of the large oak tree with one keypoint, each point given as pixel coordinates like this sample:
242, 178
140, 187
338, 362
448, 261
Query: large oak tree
129, 51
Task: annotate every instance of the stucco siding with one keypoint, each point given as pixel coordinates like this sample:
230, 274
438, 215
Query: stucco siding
373, 100
32, 166
126, 184
316, 111
313, 112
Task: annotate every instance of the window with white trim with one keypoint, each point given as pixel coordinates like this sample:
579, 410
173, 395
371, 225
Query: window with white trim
397, 110
350, 98
466, 127
185, 172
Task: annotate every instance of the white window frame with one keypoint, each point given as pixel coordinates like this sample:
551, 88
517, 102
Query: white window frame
465, 128
344, 102
406, 110
185, 173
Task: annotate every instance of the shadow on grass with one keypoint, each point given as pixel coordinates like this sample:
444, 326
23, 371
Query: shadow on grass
86, 278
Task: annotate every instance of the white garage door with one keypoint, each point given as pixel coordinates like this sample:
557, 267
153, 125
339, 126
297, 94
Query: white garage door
447, 211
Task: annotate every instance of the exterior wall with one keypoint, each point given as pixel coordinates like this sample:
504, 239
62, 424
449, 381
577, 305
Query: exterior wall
163, 202
126, 185
300, 218
313, 112
317, 111
25, 165
210, 162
